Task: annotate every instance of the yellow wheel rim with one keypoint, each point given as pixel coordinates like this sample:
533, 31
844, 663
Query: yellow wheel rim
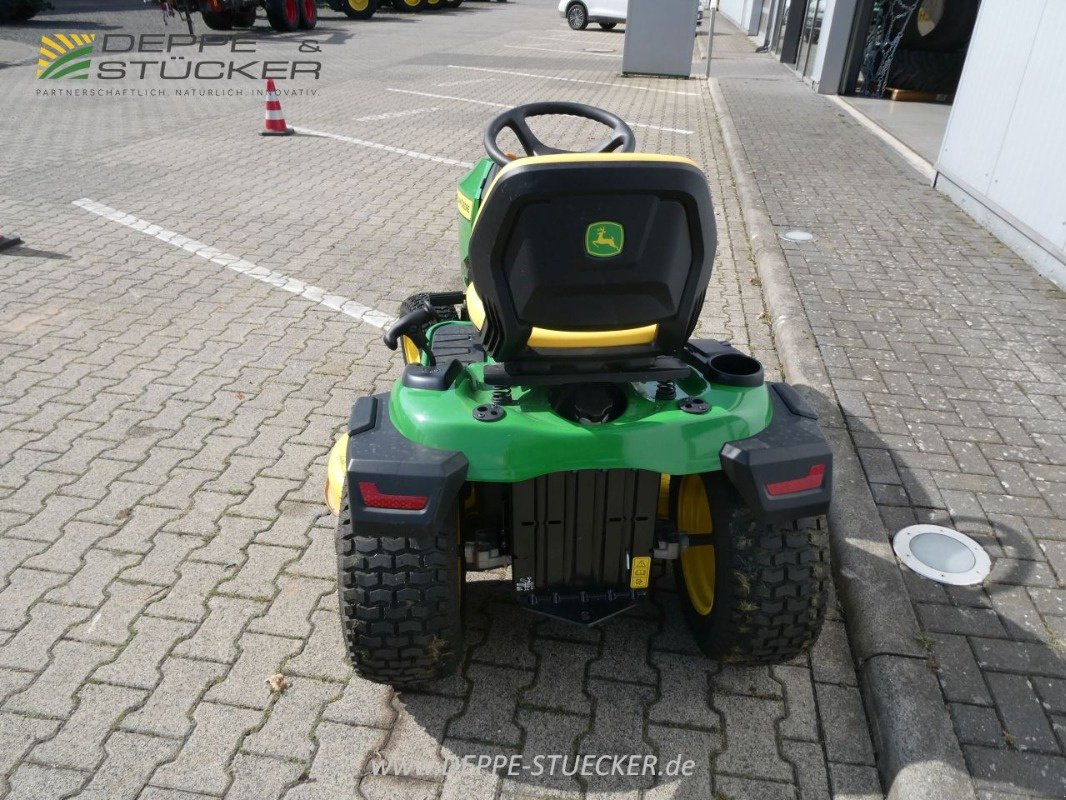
411, 3
697, 563
359, 5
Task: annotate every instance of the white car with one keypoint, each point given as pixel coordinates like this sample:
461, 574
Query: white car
608, 13
579, 13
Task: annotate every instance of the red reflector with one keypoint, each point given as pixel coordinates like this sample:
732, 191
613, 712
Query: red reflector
400, 502
812, 480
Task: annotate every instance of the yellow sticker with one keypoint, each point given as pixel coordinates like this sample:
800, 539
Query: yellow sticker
466, 205
640, 575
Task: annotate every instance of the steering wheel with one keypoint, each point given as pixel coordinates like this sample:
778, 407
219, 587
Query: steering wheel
620, 138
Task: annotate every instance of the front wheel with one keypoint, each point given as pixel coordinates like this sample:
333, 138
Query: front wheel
216, 20
608, 26
400, 602
308, 14
409, 5
359, 9
284, 15
577, 17
752, 592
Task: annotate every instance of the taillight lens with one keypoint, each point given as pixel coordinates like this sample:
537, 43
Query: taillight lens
374, 498
812, 480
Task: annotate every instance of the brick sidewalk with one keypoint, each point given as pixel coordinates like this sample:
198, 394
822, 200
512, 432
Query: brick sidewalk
947, 355
163, 545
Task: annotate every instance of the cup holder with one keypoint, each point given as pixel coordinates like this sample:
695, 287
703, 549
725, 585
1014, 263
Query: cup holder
734, 369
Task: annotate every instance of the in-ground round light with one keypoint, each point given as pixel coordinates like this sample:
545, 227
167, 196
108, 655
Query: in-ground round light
942, 555
798, 236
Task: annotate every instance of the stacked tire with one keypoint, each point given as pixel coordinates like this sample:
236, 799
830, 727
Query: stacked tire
933, 47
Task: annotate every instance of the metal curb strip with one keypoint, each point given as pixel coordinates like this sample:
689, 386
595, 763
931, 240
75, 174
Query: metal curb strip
918, 753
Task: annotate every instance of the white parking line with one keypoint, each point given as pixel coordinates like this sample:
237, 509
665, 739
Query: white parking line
682, 131
574, 80
464, 83
558, 50
386, 147
395, 114
279, 280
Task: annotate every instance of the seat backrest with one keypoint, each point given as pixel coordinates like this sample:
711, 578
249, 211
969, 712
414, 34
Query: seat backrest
591, 256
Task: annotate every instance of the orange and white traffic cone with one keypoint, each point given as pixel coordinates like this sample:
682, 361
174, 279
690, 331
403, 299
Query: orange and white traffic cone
8, 241
275, 120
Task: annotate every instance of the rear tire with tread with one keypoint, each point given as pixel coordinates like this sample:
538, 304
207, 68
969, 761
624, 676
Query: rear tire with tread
608, 26
283, 15
366, 11
400, 602
771, 583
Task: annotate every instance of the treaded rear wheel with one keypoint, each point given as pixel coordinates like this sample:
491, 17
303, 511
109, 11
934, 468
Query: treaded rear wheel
400, 602
758, 594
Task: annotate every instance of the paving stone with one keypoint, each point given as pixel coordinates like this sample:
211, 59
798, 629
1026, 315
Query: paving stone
684, 686
961, 621
168, 711
728, 787
546, 733
560, 679
138, 663
25, 587
34, 781
617, 729
420, 725
323, 654
18, 735
696, 746
52, 693
490, 709
337, 768
202, 764
289, 613
215, 639
259, 778
811, 772
958, 670
256, 578
246, 682
853, 781
29, 648
287, 732
1003, 770
977, 725
131, 759
112, 621
840, 709
362, 703
801, 721
625, 646
1021, 711
79, 745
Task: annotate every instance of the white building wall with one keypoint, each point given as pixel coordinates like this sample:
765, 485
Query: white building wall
1005, 143
740, 13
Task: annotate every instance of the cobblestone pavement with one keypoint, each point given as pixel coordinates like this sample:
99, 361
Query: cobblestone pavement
948, 356
165, 422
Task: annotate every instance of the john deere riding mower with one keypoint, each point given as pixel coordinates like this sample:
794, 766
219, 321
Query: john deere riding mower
554, 415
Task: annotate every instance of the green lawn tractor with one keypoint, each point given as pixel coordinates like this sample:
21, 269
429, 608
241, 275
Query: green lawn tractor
554, 415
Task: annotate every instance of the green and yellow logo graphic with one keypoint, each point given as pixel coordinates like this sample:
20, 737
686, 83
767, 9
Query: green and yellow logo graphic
604, 239
65, 55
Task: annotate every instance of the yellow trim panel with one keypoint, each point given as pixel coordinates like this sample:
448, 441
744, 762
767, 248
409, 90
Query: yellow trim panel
547, 338
466, 205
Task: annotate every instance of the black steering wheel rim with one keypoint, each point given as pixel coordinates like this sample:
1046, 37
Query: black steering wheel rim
621, 138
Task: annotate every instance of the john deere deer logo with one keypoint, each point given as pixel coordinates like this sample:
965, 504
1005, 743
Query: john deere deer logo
604, 239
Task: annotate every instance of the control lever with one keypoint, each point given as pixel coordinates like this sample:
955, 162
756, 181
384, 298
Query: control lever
413, 326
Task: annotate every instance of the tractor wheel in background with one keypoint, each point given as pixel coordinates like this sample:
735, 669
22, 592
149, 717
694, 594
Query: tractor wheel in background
433, 5
409, 5
359, 9
452, 3
752, 592
216, 20
284, 15
608, 26
400, 601
308, 14
245, 17
577, 17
